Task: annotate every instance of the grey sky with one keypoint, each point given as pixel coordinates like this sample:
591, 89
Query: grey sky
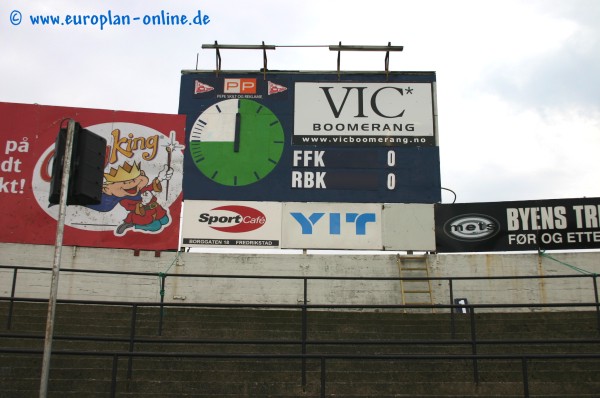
517, 79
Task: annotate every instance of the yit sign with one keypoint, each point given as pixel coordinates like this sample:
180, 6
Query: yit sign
307, 223
329, 226
310, 137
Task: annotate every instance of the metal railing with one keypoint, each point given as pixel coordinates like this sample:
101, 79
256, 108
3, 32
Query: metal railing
305, 279
322, 358
473, 341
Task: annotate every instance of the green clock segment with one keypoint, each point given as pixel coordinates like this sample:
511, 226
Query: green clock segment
236, 142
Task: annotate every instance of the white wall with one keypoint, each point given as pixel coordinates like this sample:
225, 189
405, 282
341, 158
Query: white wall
267, 291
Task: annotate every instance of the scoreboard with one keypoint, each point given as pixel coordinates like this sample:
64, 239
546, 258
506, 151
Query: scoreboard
284, 136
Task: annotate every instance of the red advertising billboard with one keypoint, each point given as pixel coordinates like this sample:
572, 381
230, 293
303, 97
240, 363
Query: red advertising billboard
142, 186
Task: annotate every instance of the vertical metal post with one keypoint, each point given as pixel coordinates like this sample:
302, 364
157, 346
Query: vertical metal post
525, 377
452, 309
113, 376
304, 333
12, 299
57, 256
474, 345
162, 277
131, 340
323, 375
595, 280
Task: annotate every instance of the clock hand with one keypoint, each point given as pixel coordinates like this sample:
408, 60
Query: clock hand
236, 140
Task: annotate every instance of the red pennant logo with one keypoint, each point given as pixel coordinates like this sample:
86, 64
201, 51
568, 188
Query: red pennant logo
275, 88
200, 88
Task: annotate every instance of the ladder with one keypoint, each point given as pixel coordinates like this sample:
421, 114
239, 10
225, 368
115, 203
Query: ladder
417, 291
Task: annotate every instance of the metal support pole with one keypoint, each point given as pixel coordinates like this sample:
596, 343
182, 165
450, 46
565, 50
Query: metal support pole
131, 340
525, 377
474, 344
452, 309
113, 376
57, 255
12, 299
323, 377
304, 332
162, 301
595, 281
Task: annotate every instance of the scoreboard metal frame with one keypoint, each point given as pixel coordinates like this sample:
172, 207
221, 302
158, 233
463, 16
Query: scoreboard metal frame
288, 136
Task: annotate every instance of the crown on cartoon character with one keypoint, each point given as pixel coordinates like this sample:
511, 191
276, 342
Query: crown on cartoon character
125, 172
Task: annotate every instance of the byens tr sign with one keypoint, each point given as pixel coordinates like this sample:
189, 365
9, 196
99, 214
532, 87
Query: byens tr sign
553, 224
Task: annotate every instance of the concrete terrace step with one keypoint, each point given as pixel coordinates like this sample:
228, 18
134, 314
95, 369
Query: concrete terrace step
206, 323
152, 376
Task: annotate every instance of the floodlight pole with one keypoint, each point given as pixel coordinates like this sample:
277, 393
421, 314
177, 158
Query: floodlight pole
57, 254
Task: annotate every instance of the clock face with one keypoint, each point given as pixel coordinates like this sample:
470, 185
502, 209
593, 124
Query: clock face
236, 142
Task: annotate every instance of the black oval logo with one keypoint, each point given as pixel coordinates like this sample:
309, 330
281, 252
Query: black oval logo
471, 227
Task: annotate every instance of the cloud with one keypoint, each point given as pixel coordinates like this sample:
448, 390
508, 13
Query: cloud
492, 148
517, 86
565, 74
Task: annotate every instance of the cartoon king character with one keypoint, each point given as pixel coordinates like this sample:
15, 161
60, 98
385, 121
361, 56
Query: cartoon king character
129, 186
146, 215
